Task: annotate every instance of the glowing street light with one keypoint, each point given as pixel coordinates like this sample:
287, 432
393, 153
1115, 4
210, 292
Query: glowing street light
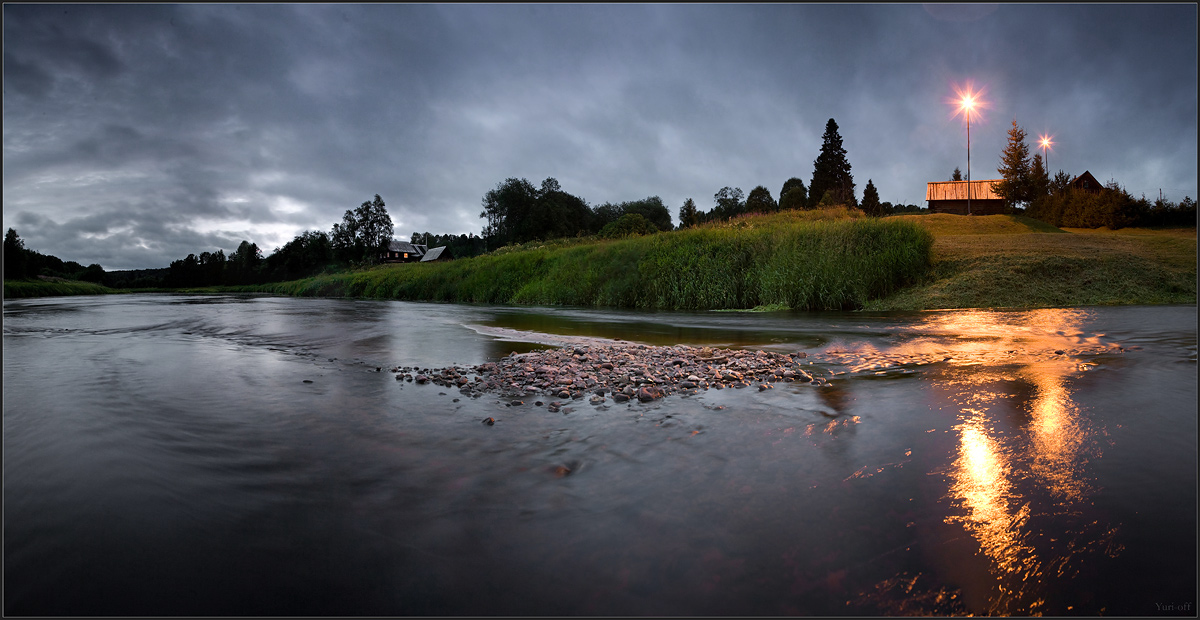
968, 101
1046, 142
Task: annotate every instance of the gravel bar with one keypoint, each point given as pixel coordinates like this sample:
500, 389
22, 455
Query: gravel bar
620, 372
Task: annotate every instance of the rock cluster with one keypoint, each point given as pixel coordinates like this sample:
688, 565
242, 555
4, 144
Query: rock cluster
622, 372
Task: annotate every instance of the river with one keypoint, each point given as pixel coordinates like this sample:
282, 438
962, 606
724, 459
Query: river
242, 455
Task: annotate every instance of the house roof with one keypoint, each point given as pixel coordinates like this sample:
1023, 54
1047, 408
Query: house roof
434, 254
957, 190
404, 246
1086, 180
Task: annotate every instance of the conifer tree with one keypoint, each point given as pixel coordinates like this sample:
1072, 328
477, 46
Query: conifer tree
1014, 169
957, 176
689, 216
870, 202
831, 170
1039, 180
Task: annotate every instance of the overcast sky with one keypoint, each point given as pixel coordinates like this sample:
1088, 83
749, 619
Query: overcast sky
135, 135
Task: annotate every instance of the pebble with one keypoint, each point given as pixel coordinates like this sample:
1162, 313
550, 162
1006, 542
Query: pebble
621, 371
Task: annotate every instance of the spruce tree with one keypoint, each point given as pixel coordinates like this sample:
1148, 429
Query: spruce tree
870, 202
689, 216
957, 176
1014, 169
1039, 180
831, 170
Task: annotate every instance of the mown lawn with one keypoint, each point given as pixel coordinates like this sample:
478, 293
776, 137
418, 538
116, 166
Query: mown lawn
1007, 261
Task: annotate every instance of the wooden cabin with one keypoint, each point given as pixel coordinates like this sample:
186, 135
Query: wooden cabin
1087, 183
951, 197
439, 253
402, 252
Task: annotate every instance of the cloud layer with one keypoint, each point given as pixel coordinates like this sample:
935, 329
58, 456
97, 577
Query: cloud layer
135, 135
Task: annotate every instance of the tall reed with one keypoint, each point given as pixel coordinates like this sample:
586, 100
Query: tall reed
38, 288
822, 262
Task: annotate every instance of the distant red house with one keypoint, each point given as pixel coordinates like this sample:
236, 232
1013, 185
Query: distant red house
951, 197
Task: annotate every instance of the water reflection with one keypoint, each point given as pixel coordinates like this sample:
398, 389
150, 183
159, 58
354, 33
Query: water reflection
1022, 442
1021, 439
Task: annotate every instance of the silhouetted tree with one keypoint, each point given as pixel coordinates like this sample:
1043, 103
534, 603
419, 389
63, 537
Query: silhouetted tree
957, 176
1039, 181
831, 170
760, 201
363, 234
1060, 183
870, 202
651, 208
1013, 186
305, 255
789, 185
14, 256
506, 208
605, 214
689, 216
729, 203
794, 198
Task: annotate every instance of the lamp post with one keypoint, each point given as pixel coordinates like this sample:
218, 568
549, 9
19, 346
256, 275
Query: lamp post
968, 102
1046, 142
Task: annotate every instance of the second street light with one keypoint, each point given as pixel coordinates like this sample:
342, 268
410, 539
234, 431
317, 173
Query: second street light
1046, 142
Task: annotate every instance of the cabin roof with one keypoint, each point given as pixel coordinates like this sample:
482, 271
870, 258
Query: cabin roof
433, 254
404, 246
1086, 181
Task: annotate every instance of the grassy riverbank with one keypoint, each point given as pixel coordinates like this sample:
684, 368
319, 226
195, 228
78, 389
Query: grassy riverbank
1007, 261
59, 286
833, 259
828, 259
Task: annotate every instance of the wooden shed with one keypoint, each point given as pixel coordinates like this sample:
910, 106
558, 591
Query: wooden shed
951, 197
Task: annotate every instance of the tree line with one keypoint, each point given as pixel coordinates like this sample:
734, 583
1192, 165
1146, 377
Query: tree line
22, 263
516, 211
1027, 188
359, 239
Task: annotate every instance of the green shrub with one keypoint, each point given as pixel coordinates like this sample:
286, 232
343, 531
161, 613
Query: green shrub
628, 225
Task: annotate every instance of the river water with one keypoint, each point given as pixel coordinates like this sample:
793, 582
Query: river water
216, 455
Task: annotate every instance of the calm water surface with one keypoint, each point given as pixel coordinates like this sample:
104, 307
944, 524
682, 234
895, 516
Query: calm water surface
164, 455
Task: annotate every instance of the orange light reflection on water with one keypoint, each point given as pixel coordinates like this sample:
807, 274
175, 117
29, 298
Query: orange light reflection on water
1018, 429
1021, 441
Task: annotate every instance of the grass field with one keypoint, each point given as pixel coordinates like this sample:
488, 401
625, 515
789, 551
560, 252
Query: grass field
1008, 261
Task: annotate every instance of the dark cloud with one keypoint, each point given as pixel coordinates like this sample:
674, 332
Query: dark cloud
134, 135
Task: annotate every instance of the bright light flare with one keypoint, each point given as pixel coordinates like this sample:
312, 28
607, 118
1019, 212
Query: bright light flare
1046, 142
967, 100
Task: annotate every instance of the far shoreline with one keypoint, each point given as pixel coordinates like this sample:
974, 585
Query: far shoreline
977, 262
